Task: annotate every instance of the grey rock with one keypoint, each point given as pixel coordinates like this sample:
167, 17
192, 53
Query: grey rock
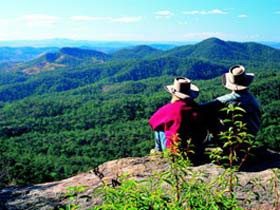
255, 185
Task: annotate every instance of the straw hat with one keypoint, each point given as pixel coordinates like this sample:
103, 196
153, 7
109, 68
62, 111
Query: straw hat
237, 78
182, 88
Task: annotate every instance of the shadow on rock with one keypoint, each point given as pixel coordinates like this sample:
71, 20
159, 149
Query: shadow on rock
261, 159
16, 198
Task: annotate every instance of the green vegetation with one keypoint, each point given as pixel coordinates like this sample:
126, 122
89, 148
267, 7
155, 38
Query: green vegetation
181, 187
141, 52
234, 143
61, 122
177, 188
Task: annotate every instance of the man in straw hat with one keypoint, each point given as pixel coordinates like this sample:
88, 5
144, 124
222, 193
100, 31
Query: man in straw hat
238, 81
180, 119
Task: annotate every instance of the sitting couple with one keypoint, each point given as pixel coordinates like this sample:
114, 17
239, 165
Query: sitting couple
184, 117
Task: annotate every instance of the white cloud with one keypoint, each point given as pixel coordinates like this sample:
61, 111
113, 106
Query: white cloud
5, 21
242, 16
127, 19
163, 13
39, 20
183, 23
106, 18
277, 12
31, 20
217, 11
205, 12
89, 18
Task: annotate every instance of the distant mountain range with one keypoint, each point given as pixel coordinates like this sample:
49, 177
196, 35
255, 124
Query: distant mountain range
20, 54
69, 68
202, 56
18, 51
103, 46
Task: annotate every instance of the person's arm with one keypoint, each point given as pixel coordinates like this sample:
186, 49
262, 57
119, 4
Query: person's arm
213, 106
158, 119
210, 117
210, 111
157, 123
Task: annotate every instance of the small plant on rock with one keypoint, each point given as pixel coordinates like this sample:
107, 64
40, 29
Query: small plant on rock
235, 142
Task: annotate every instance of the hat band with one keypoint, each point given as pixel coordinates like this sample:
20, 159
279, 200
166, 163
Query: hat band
184, 91
239, 79
184, 87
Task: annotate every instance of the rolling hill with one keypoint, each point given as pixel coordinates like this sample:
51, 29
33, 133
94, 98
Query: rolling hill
212, 50
138, 52
218, 50
70, 68
64, 58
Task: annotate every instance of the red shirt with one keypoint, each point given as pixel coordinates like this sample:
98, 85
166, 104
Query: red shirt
180, 117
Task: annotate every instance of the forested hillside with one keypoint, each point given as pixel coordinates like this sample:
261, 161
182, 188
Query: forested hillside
94, 107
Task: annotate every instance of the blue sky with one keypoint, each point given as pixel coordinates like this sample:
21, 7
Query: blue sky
140, 20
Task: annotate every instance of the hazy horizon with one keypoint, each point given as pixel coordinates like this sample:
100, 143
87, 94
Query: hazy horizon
145, 20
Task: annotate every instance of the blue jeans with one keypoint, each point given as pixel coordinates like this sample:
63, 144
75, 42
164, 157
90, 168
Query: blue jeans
160, 141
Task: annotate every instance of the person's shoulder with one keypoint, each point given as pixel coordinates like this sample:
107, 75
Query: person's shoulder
227, 97
166, 106
184, 103
210, 106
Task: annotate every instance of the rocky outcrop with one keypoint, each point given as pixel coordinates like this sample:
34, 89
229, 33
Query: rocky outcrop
53, 195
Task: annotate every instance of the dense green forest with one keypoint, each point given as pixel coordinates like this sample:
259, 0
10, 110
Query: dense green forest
82, 107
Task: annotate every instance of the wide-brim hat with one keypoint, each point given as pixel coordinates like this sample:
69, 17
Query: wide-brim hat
237, 78
183, 88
